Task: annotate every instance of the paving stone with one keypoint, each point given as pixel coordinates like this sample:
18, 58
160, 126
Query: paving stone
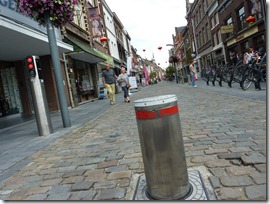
217, 163
73, 179
259, 178
95, 175
124, 182
59, 196
86, 167
261, 167
81, 186
236, 155
229, 194
215, 151
245, 136
116, 168
202, 159
119, 175
239, 170
236, 162
239, 149
74, 173
107, 164
253, 158
37, 197
105, 184
17, 195
244, 144
215, 181
221, 146
38, 190
60, 189
200, 147
129, 161
256, 192
234, 181
194, 153
83, 195
111, 194
52, 176
225, 141
51, 182
203, 143
226, 137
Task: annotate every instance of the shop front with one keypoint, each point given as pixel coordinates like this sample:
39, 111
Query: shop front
21, 37
83, 70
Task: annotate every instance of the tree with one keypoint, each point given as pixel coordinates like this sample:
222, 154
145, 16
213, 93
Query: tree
169, 72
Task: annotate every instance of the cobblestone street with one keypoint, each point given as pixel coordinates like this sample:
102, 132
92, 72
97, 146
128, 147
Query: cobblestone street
226, 135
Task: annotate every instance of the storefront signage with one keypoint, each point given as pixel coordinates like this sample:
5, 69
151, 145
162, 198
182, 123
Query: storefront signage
243, 35
8, 8
226, 29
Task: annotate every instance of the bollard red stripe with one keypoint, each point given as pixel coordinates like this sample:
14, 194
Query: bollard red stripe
148, 115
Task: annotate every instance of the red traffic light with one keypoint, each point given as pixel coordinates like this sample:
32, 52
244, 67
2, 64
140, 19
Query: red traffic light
30, 66
30, 62
29, 59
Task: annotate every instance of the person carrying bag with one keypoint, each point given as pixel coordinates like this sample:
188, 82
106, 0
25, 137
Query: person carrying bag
124, 83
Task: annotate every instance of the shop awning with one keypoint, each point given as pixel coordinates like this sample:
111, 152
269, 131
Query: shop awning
83, 52
19, 41
109, 59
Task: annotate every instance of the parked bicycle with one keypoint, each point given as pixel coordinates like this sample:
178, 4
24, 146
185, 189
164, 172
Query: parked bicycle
255, 72
237, 72
208, 74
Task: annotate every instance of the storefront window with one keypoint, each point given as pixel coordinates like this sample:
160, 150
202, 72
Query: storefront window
82, 81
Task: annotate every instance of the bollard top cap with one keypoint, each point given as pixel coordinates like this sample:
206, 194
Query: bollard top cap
156, 100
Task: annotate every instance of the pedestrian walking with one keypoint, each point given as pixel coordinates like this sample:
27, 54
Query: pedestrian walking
124, 83
108, 80
192, 73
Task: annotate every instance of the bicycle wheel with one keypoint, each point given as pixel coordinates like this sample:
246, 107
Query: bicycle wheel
237, 74
247, 79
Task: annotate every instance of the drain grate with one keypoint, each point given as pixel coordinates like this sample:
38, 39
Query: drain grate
195, 180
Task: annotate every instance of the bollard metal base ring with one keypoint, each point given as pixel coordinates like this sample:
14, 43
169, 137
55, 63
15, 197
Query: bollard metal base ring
197, 189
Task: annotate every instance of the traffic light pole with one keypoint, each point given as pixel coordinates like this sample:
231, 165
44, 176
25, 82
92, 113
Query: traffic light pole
57, 71
38, 94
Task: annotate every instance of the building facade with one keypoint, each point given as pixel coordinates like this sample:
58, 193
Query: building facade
22, 37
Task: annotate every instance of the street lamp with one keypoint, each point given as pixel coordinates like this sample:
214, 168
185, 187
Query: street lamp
174, 65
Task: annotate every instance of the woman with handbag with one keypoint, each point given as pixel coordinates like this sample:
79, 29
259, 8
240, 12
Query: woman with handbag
124, 83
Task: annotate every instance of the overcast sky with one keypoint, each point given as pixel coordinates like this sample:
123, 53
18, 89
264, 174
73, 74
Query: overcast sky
150, 24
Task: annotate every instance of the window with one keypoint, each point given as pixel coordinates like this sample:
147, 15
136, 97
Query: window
217, 19
212, 22
203, 39
229, 21
215, 39
208, 32
204, 5
219, 36
241, 18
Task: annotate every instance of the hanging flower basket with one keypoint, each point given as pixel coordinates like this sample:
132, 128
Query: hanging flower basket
173, 59
60, 11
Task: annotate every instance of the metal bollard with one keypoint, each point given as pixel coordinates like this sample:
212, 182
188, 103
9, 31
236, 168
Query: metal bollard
162, 147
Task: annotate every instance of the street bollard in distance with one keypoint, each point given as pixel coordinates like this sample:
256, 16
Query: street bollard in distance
162, 147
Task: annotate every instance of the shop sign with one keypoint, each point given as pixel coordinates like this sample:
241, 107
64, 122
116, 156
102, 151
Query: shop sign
243, 35
226, 29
